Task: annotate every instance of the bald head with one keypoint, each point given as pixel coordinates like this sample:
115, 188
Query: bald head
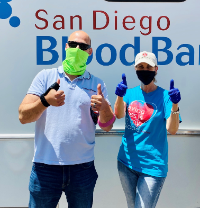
80, 36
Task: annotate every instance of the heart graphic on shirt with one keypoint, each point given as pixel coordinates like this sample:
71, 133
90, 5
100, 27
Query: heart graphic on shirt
140, 112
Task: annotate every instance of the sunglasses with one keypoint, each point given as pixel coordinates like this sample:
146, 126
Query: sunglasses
82, 46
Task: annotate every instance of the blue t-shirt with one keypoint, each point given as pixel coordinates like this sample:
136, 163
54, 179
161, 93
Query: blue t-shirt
144, 146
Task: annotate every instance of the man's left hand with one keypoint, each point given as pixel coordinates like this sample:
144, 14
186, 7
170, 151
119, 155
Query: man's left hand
98, 101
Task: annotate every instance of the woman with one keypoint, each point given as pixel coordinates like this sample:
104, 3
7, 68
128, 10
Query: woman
150, 112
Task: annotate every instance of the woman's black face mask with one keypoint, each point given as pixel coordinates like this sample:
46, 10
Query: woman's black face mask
146, 77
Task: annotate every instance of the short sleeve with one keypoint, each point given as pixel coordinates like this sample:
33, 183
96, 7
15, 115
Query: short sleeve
38, 84
168, 107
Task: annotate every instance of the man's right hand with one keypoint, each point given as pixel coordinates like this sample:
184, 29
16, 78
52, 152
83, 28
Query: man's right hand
121, 87
55, 98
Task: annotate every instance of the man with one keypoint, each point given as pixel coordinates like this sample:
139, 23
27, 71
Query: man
65, 130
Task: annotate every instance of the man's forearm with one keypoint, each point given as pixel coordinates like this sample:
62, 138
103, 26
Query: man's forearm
31, 112
105, 116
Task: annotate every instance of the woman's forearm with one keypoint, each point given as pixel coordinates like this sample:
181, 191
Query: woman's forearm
119, 107
173, 120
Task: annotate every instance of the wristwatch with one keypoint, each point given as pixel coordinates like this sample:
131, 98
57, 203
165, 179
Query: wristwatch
175, 112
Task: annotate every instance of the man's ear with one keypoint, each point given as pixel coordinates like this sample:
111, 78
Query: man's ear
67, 46
90, 51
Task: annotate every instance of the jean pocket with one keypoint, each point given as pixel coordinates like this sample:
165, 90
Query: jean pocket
87, 164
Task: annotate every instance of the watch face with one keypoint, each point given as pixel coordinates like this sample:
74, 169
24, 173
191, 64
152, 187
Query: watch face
146, 0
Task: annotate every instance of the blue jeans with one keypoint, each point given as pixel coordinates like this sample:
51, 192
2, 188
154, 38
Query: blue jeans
48, 181
141, 190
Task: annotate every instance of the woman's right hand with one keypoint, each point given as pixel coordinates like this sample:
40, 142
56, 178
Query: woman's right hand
121, 87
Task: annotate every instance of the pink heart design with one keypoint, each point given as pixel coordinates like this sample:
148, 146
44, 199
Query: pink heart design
140, 112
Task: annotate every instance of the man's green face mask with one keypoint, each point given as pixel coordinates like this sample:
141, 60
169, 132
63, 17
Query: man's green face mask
75, 62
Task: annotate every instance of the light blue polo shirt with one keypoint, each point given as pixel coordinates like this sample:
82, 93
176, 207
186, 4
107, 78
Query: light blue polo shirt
65, 135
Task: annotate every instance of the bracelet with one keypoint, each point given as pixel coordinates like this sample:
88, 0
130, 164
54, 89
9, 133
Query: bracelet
107, 123
175, 112
43, 100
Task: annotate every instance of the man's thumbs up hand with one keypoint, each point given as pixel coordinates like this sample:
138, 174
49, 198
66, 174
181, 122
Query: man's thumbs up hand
99, 92
174, 93
98, 101
121, 87
54, 96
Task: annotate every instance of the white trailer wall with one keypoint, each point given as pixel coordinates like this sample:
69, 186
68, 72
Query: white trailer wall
172, 27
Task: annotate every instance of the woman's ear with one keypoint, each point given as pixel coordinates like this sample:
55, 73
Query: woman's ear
156, 67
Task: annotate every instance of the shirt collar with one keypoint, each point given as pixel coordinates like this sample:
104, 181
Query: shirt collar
86, 74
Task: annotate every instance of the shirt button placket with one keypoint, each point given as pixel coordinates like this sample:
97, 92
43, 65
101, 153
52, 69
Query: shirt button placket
73, 85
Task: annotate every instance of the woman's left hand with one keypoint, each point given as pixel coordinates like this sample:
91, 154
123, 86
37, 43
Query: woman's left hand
174, 93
